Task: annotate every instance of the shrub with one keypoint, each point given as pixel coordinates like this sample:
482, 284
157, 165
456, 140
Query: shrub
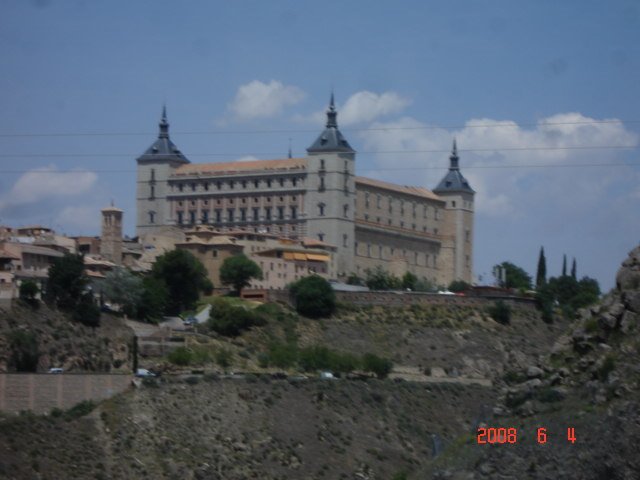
86, 311
230, 320
24, 350
314, 297
79, 410
281, 355
501, 312
28, 291
459, 286
224, 357
314, 358
180, 356
378, 365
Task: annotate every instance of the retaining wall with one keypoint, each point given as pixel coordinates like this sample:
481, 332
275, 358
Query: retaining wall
42, 392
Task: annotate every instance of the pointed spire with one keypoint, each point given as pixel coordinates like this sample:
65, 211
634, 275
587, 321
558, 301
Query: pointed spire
454, 159
164, 124
332, 115
290, 154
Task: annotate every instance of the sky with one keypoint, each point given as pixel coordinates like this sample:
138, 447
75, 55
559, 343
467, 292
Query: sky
543, 98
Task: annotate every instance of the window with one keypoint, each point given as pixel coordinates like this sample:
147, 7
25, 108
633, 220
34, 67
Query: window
193, 202
355, 247
193, 187
435, 231
243, 214
180, 186
244, 184
256, 183
219, 185
378, 201
269, 183
192, 216
205, 217
368, 249
321, 164
401, 207
215, 253
218, 216
230, 214
280, 213
231, 184
152, 195
437, 214
244, 200
179, 204
321, 209
282, 199
281, 182
321, 186
345, 210
366, 200
152, 217
255, 199
379, 251
267, 213
390, 205
256, 214
321, 237
366, 217
467, 235
413, 226
153, 174
206, 186
293, 199
294, 181
294, 212
453, 204
401, 224
345, 240
424, 211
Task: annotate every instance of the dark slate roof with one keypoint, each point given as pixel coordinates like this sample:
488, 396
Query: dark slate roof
163, 148
331, 140
453, 181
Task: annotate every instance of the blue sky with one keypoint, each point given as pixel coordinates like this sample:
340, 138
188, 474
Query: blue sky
542, 96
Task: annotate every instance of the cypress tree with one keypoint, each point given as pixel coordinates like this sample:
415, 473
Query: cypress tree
541, 274
573, 269
564, 265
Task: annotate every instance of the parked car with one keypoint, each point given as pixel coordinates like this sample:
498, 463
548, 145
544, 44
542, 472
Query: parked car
144, 373
190, 321
56, 370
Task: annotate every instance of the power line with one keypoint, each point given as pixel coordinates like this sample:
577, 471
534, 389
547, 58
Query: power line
281, 131
380, 169
367, 152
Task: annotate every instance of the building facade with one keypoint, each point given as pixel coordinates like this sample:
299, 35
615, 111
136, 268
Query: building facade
369, 223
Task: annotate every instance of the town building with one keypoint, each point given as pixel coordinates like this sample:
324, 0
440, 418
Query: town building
368, 223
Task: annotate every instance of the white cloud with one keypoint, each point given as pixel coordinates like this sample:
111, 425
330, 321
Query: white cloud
260, 100
47, 183
361, 107
247, 158
364, 106
79, 218
501, 144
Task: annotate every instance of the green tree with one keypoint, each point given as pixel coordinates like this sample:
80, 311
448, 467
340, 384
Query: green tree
459, 286
379, 279
238, 270
184, 276
501, 312
354, 279
66, 281
28, 291
86, 311
574, 269
125, 289
153, 299
564, 265
409, 281
25, 354
541, 272
313, 296
515, 276
378, 365
230, 320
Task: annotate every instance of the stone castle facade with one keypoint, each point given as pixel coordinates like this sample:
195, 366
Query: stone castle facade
370, 223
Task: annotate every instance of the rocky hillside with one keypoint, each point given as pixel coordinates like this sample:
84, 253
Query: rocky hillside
589, 381
60, 342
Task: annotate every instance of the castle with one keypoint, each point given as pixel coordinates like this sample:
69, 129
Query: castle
368, 223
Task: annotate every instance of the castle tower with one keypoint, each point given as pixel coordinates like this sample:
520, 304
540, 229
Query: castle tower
155, 166
330, 198
111, 237
457, 193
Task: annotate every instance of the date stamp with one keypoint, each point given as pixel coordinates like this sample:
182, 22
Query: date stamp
491, 435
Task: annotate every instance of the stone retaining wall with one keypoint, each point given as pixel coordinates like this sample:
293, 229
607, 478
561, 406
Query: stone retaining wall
42, 392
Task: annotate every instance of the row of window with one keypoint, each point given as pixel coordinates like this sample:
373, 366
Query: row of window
390, 203
243, 200
232, 184
401, 224
380, 251
239, 215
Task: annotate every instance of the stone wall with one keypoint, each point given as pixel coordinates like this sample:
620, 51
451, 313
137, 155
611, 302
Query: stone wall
398, 299
42, 392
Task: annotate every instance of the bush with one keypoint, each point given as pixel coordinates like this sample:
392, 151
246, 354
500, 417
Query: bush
501, 312
28, 292
314, 297
79, 410
314, 358
86, 311
224, 357
230, 320
459, 286
281, 355
378, 365
180, 356
24, 351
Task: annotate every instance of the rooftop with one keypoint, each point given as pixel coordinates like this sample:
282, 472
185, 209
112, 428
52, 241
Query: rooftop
230, 168
407, 190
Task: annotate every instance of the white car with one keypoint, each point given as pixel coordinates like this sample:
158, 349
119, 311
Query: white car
56, 370
144, 373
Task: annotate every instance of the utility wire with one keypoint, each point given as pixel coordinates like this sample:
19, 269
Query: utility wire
280, 131
566, 165
367, 152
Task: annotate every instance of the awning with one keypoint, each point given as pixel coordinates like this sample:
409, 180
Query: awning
288, 256
317, 258
300, 256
